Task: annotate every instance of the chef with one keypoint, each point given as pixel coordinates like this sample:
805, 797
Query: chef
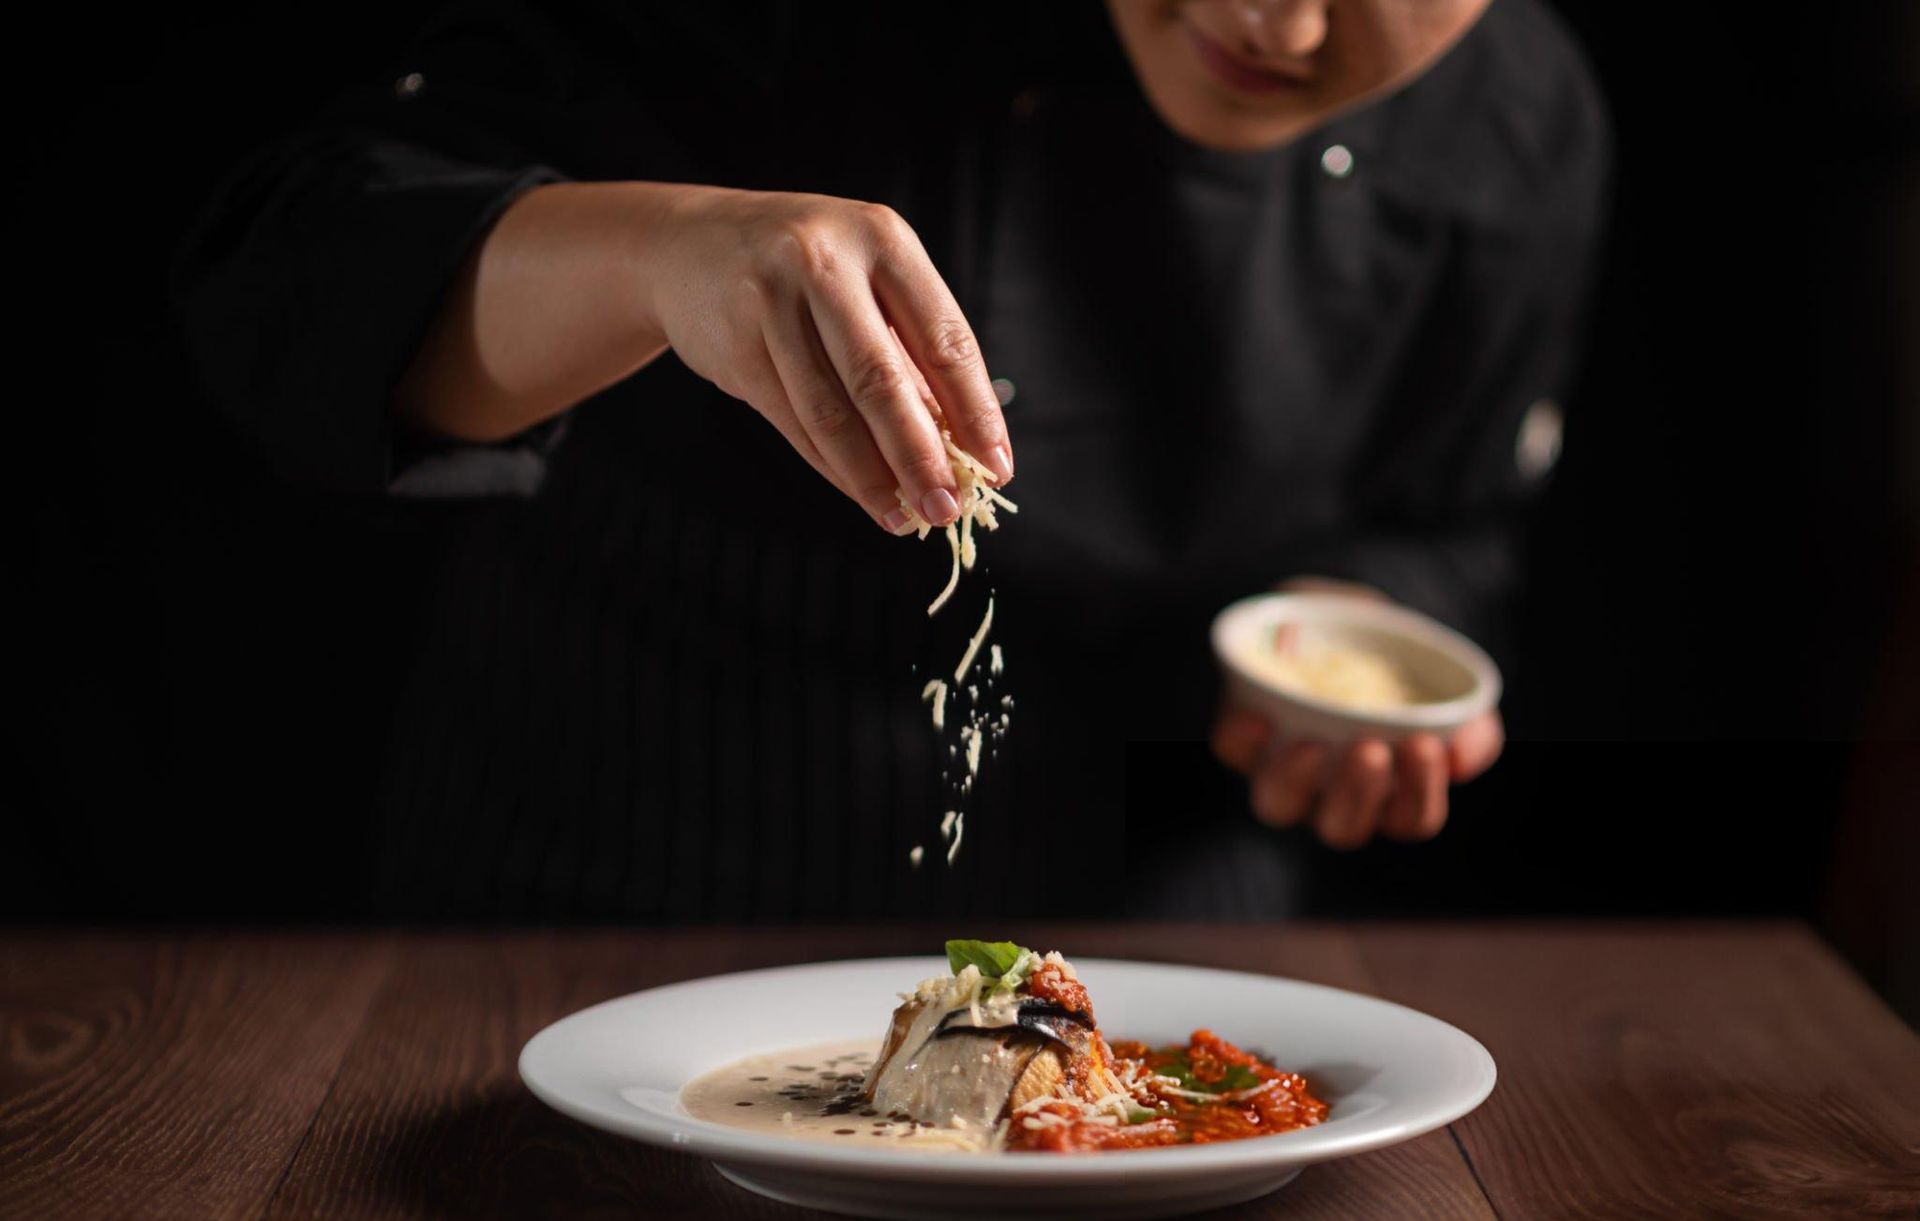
667, 303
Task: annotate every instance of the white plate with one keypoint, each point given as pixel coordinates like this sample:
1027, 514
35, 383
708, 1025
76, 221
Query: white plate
1388, 1073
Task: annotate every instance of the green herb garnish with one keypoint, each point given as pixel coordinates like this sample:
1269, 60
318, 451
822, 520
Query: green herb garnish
1237, 1077
995, 960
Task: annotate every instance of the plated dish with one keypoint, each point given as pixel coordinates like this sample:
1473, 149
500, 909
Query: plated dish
1003, 1054
1385, 1073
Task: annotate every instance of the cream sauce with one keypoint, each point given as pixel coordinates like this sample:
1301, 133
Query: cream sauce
813, 1093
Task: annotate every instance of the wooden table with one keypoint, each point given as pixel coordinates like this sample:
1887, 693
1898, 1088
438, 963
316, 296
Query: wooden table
1646, 1070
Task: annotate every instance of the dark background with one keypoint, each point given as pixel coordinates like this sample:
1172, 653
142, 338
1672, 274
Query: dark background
1717, 708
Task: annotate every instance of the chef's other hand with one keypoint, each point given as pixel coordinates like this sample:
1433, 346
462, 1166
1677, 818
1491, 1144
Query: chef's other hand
827, 316
1350, 792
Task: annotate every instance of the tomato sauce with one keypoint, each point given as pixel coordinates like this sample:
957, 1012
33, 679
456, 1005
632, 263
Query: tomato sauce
1049, 983
1206, 1091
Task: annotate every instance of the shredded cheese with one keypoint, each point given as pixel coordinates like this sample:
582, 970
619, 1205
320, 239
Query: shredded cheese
973, 646
915, 855
996, 663
953, 578
978, 502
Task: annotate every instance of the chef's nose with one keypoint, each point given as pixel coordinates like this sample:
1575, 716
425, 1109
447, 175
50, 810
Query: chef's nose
1275, 29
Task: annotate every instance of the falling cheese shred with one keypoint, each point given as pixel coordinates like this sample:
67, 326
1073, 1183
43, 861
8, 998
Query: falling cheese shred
959, 829
973, 646
936, 690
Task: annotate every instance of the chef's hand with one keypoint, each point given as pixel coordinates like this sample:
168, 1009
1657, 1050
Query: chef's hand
825, 314
1350, 792
827, 317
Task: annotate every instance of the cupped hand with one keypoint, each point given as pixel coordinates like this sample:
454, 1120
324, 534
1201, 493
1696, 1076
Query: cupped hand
1351, 792
827, 316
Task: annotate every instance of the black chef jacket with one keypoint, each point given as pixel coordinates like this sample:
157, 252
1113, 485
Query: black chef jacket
643, 695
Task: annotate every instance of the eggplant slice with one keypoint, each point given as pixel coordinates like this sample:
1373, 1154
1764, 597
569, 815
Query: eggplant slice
941, 1066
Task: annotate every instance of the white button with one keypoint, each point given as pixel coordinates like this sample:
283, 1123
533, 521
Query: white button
1003, 390
1337, 161
409, 85
1538, 446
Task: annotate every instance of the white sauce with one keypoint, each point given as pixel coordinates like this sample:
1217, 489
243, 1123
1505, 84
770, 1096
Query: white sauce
810, 1093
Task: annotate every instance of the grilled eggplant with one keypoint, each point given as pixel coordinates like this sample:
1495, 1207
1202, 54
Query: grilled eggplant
966, 1052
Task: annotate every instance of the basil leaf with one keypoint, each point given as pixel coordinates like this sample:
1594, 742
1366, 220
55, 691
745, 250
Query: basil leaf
994, 958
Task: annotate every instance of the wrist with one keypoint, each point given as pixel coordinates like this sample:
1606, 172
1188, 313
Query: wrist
648, 228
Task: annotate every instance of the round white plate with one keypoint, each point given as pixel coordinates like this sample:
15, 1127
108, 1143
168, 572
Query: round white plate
1389, 1073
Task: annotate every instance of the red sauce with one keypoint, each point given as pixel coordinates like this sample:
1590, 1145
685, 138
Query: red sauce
1049, 983
1255, 1099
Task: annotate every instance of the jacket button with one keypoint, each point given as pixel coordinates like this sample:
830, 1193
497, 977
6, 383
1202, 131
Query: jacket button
1003, 390
1537, 447
1337, 161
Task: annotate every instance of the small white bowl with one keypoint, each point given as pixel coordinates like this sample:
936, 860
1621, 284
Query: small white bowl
1456, 675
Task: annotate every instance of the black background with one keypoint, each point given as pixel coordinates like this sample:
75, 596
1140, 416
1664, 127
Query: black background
1715, 708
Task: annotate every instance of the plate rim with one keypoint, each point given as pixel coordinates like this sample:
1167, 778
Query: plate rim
717, 1143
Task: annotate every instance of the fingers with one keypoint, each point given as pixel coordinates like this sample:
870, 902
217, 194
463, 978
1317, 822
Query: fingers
1476, 745
1239, 737
1418, 808
1356, 795
942, 345
817, 419
1286, 785
882, 394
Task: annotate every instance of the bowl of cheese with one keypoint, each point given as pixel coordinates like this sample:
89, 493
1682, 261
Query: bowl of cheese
1335, 668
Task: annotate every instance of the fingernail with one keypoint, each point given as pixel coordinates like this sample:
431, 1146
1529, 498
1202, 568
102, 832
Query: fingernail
896, 521
939, 507
1000, 462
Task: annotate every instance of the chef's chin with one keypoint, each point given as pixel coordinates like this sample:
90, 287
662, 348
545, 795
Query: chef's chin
1200, 111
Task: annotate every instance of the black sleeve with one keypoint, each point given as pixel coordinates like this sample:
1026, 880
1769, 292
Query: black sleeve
1444, 494
319, 263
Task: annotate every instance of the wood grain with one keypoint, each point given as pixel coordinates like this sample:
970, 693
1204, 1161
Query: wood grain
1658, 1070
146, 1077
1672, 1072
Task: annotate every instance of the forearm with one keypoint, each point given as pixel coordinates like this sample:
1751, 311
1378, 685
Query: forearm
552, 306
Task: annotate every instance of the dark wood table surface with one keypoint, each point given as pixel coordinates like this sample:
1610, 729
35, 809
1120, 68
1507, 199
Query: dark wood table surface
1646, 1070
